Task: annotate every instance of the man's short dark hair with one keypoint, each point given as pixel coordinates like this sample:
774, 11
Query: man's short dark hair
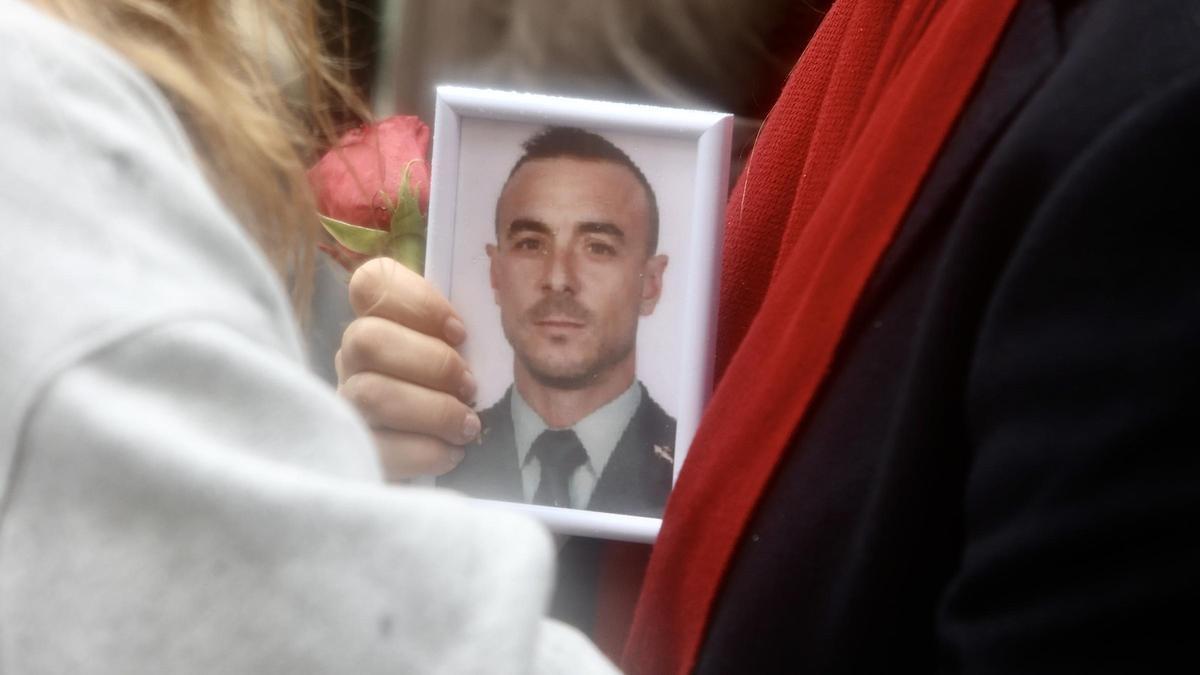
575, 143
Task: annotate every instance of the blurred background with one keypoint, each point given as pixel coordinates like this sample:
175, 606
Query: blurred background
725, 55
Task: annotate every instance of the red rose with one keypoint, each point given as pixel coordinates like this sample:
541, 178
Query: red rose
372, 191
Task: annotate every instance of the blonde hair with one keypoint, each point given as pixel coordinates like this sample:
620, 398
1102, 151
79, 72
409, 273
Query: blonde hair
218, 61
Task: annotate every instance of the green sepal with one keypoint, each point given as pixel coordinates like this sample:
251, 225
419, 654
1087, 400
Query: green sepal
364, 240
407, 242
408, 250
407, 218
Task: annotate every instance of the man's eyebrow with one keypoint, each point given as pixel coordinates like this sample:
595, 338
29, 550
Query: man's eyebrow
593, 227
526, 225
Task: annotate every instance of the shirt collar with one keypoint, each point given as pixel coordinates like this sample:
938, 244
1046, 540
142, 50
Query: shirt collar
599, 432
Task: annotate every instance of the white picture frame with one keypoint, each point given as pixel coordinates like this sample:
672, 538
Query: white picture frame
477, 138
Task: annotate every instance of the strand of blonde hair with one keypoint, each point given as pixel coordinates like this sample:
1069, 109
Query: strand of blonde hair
256, 126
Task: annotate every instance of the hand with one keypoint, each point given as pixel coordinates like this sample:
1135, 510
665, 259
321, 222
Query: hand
398, 366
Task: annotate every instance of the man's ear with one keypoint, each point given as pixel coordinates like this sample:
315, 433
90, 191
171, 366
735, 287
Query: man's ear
491, 254
652, 283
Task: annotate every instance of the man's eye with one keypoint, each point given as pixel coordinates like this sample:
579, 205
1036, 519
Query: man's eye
600, 248
527, 244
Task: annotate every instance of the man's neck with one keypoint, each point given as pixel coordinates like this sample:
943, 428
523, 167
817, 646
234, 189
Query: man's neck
562, 408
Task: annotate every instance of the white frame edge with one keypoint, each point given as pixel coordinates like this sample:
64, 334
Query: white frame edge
712, 132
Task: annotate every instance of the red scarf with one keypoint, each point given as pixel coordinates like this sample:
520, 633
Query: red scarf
839, 160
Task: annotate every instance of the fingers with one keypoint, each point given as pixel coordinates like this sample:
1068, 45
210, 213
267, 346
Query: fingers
373, 344
398, 366
407, 455
395, 405
384, 288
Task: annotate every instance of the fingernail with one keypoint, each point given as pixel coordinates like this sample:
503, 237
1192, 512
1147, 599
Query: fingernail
455, 331
471, 426
467, 391
453, 457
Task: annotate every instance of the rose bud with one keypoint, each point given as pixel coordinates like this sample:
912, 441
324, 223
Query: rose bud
372, 191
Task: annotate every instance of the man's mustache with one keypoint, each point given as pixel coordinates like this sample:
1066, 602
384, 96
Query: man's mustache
558, 305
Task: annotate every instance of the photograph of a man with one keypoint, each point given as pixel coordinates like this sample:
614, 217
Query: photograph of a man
573, 269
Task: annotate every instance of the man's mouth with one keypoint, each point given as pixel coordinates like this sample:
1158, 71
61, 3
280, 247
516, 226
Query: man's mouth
557, 322
558, 311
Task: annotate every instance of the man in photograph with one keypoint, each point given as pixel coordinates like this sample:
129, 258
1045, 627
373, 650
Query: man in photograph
573, 269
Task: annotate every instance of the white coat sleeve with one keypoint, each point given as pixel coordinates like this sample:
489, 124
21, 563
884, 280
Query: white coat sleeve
185, 500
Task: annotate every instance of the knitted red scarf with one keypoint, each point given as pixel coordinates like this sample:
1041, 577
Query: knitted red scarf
839, 160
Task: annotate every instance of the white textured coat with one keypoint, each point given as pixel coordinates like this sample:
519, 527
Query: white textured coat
178, 493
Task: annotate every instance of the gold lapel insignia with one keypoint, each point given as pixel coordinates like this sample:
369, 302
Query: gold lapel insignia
665, 452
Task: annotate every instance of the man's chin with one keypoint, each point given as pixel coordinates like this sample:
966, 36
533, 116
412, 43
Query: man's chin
562, 373
567, 379
570, 369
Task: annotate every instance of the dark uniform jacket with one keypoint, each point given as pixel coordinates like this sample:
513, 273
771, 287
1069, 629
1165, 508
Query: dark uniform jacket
636, 480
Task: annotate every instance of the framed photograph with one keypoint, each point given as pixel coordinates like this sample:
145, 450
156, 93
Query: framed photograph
580, 242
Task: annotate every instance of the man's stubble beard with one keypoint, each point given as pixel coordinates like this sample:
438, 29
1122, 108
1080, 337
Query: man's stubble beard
587, 373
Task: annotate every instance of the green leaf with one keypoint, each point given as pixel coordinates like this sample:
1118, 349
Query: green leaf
407, 218
408, 250
408, 225
363, 240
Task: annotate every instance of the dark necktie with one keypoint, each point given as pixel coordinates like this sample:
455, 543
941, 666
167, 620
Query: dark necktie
559, 453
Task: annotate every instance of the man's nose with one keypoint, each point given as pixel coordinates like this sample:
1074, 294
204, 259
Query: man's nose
559, 271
